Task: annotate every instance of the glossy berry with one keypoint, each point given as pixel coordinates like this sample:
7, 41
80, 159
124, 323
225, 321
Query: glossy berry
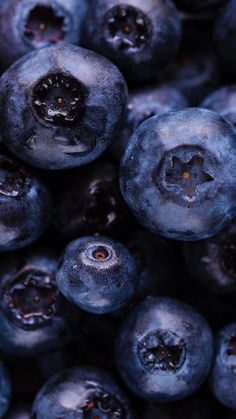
5, 390
90, 201
178, 174
81, 392
140, 37
164, 350
31, 24
97, 273
33, 316
223, 375
223, 101
143, 103
71, 103
25, 205
213, 261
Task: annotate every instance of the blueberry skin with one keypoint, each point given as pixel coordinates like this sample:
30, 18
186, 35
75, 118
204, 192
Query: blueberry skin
54, 132
97, 273
164, 350
139, 37
25, 205
62, 19
143, 103
28, 286
223, 378
178, 174
225, 37
212, 262
72, 393
223, 101
5, 390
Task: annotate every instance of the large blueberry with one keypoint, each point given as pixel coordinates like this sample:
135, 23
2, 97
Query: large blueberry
143, 103
30, 24
33, 315
223, 374
60, 106
97, 273
25, 205
164, 350
139, 36
178, 174
81, 392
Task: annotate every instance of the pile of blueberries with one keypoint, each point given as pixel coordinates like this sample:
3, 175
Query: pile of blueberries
118, 209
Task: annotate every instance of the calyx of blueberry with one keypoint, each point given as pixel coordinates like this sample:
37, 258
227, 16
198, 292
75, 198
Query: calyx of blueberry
127, 27
161, 350
99, 253
13, 178
102, 405
43, 26
58, 99
31, 298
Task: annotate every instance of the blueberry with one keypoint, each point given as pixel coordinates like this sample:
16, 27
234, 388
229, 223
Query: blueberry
90, 201
25, 205
223, 374
5, 390
26, 25
225, 37
33, 315
143, 103
164, 350
213, 261
194, 73
81, 392
199, 5
223, 101
178, 174
140, 37
97, 273
60, 106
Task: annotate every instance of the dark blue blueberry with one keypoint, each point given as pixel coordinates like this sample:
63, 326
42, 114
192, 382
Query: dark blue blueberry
223, 101
212, 262
30, 24
139, 36
90, 201
195, 73
60, 106
223, 374
81, 393
199, 5
143, 103
225, 37
164, 350
178, 174
97, 273
5, 390
25, 205
33, 315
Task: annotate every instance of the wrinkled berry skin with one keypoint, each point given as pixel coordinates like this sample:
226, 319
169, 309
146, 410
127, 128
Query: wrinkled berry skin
5, 390
26, 25
223, 101
60, 106
198, 5
143, 103
81, 392
212, 262
33, 314
225, 37
178, 174
90, 201
164, 350
139, 37
223, 376
97, 273
25, 205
